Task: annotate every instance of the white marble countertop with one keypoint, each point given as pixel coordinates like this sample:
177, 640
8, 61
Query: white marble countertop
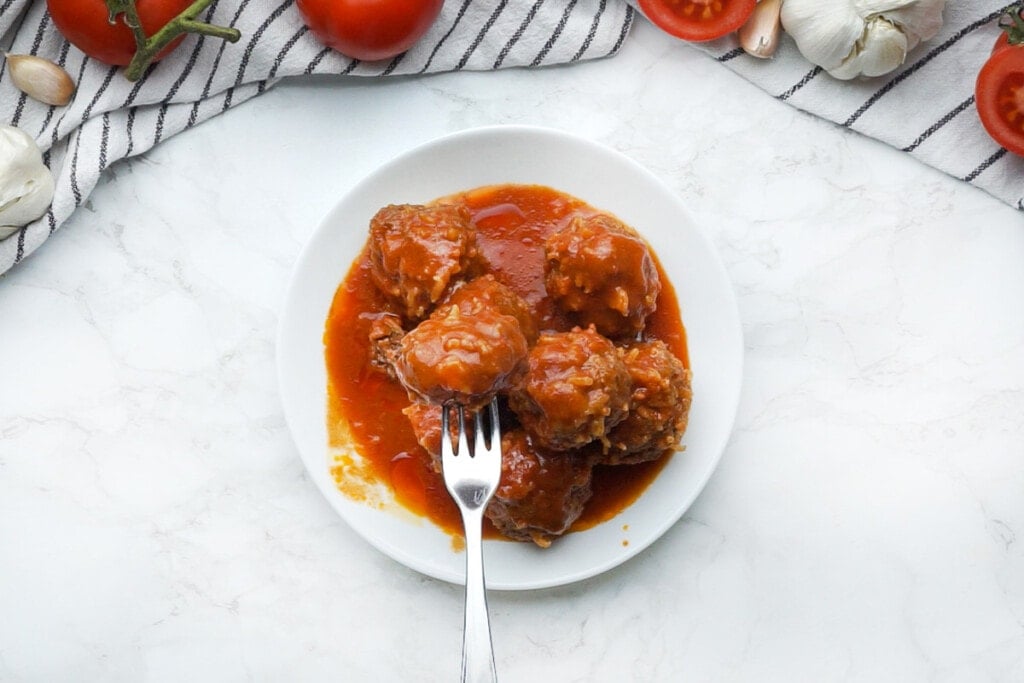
156, 522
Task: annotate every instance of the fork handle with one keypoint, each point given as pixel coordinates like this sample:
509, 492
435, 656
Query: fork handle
477, 650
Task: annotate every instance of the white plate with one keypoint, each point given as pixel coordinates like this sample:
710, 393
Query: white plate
603, 178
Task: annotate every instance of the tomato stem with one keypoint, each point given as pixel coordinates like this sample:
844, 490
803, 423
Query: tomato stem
148, 47
1014, 29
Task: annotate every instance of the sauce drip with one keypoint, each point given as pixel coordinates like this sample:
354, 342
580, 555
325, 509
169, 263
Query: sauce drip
365, 406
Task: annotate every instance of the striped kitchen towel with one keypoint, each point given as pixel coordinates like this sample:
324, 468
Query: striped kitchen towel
111, 118
925, 108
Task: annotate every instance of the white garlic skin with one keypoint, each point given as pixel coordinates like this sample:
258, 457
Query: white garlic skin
41, 79
852, 38
26, 184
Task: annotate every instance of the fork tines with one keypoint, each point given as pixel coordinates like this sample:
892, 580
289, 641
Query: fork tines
481, 441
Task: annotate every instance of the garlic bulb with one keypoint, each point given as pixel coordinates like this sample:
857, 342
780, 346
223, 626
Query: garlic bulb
851, 38
26, 184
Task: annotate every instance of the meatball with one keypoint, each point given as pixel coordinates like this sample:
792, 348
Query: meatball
575, 389
541, 493
601, 272
486, 292
659, 406
466, 359
418, 252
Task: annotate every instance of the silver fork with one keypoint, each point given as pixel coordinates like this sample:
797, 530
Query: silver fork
471, 479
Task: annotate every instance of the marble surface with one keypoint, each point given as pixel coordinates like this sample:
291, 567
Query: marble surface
866, 522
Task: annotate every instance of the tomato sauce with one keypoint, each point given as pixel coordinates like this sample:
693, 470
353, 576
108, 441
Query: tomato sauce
365, 406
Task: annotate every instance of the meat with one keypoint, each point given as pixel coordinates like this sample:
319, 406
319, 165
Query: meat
575, 389
541, 493
418, 252
585, 392
486, 292
469, 349
452, 357
385, 341
601, 272
425, 420
659, 405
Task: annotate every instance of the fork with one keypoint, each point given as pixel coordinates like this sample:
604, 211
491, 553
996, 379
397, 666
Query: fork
471, 479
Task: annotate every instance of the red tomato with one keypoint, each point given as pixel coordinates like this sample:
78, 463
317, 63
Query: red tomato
86, 25
369, 30
999, 96
697, 20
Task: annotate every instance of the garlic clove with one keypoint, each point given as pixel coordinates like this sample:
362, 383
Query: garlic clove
920, 20
882, 49
759, 36
825, 31
26, 184
40, 79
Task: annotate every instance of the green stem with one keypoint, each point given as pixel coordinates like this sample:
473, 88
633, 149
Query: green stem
148, 47
1015, 29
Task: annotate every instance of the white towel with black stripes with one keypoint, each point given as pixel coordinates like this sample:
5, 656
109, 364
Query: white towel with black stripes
112, 118
925, 108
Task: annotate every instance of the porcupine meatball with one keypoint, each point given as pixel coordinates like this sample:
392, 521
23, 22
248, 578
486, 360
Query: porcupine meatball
452, 357
540, 493
486, 292
600, 271
418, 252
575, 389
659, 406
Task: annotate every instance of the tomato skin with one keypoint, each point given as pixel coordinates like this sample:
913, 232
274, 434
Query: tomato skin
369, 30
999, 97
1002, 41
686, 18
86, 25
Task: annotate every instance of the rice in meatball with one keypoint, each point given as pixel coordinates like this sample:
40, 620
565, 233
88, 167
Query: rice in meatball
541, 493
417, 253
602, 273
659, 405
576, 388
463, 359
